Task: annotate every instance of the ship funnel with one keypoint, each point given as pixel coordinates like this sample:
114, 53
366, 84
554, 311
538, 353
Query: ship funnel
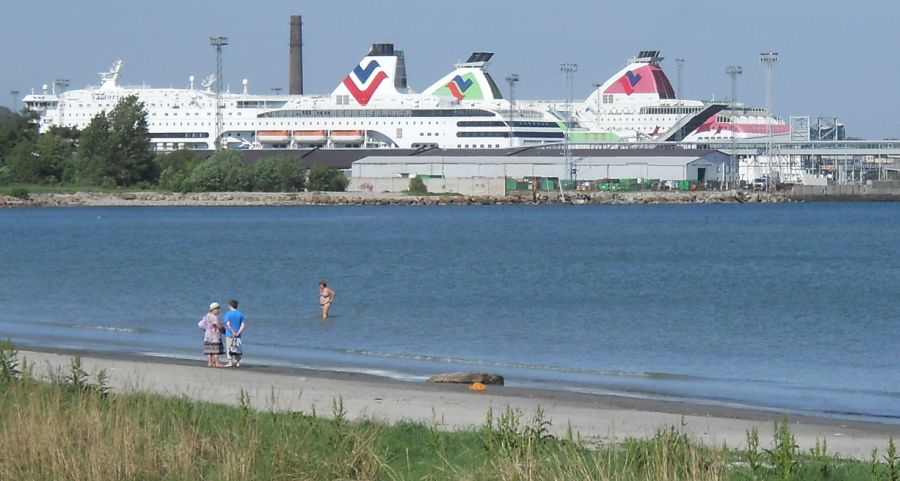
382, 50
400, 78
295, 69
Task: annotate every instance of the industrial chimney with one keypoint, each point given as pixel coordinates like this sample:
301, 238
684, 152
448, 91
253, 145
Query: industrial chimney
295, 69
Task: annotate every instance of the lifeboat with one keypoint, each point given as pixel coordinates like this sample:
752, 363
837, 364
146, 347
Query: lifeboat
311, 137
272, 136
347, 136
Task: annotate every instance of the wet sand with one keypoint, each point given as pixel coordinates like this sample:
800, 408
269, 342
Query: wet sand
597, 418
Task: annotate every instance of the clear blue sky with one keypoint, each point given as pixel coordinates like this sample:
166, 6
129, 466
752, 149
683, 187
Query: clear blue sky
837, 58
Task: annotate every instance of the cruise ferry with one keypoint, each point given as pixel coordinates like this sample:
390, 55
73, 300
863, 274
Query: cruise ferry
638, 103
372, 107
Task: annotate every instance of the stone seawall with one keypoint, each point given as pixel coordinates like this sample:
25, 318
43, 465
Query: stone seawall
86, 199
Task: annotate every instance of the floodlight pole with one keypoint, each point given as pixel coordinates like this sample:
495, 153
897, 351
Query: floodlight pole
733, 71
569, 70
769, 59
61, 84
218, 43
512, 80
15, 99
679, 62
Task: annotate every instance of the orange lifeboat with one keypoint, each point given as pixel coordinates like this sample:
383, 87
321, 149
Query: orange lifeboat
310, 137
272, 136
347, 136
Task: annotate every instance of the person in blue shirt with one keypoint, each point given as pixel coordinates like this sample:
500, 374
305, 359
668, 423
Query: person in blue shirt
234, 327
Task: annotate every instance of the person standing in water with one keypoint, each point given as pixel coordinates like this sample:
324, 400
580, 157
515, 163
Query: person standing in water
326, 298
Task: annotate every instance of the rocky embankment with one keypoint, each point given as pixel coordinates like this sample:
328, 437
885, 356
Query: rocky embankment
125, 199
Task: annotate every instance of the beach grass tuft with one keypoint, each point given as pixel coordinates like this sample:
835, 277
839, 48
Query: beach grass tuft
71, 427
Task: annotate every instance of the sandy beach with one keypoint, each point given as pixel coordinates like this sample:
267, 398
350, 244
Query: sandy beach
594, 417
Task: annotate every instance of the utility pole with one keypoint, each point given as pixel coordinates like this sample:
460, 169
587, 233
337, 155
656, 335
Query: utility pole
569, 70
218, 43
769, 59
15, 99
512, 80
679, 62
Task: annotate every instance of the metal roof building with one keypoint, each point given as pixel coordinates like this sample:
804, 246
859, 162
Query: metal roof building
663, 164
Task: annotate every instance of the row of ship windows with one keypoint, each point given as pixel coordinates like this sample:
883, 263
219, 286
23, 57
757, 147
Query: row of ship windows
379, 113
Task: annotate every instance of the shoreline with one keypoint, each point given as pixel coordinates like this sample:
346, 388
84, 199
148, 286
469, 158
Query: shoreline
160, 199
596, 417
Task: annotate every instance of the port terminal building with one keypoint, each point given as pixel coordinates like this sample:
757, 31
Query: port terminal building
490, 172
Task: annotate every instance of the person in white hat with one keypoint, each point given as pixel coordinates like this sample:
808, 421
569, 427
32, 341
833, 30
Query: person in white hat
212, 338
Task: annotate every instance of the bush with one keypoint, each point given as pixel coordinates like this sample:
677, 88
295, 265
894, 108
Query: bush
224, 171
417, 186
20, 193
322, 178
280, 173
174, 180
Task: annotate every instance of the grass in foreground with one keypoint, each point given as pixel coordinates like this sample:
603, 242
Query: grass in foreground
71, 427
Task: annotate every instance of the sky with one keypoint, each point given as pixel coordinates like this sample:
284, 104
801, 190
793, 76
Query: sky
836, 58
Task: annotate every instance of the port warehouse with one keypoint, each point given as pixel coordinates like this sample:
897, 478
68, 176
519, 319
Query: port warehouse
492, 173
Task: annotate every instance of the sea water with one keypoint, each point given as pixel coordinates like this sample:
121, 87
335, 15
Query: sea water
785, 307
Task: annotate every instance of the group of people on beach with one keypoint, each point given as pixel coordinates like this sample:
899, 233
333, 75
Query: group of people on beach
232, 326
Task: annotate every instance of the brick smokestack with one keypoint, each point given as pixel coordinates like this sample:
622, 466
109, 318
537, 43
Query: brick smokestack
295, 69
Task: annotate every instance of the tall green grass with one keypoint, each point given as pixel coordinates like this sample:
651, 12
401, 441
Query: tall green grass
71, 427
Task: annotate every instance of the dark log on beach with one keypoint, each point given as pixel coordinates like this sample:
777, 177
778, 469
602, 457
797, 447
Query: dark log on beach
468, 378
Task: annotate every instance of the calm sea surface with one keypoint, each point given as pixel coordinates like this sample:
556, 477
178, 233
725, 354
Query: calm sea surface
785, 307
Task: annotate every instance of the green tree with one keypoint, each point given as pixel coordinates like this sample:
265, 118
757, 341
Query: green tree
176, 168
322, 178
114, 149
14, 130
279, 173
133, 160
224, 171
42, 163
92, 164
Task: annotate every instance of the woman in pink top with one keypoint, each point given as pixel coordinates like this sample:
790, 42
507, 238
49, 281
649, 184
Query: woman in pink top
212, 338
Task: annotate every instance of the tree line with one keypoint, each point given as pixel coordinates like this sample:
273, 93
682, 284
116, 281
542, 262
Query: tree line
114, 151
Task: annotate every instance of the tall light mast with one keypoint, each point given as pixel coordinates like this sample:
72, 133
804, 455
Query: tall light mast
679, 62
569, 70
512, 80
218, 43
769, 59
15, 99
733, 71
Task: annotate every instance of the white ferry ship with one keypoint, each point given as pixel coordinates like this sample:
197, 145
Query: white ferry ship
371, 108
638, 103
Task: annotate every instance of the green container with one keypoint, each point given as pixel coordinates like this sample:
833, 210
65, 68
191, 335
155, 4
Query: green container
547, 185
684, 185
603, 186
569, 185
523, 186
512, 185
628, 181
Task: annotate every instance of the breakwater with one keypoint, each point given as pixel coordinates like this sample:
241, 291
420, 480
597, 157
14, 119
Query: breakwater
93, 199
123, 199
